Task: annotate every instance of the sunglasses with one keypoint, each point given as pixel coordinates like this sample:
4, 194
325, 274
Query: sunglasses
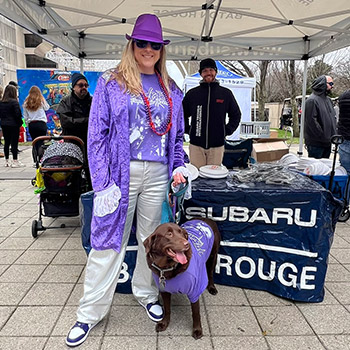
82, 85
142, 44
330, 83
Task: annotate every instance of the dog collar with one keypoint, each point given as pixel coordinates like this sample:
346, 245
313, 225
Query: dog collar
162, 279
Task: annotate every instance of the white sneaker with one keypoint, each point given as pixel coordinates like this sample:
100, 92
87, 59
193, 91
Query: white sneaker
7, 163
17, 164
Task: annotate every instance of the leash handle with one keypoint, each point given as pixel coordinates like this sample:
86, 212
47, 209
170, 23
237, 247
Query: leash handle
173, 200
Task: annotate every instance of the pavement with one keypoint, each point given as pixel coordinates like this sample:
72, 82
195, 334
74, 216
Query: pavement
41, 282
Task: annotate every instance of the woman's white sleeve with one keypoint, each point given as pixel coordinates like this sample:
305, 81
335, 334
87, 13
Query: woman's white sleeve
107, 201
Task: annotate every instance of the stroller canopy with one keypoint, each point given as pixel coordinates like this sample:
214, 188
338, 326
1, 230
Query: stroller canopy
68, 152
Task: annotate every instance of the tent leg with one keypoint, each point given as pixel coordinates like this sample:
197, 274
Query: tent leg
255, 103
301, 137
81, 65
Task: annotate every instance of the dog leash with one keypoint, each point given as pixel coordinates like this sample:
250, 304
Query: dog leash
171, 200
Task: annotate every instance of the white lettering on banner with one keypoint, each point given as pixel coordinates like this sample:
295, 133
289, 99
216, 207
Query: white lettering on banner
217, 218
272, 272
226, 265
293, 277
251, 263
304, 277
124, 274
242, 214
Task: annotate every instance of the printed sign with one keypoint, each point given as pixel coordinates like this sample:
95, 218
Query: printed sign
274, 238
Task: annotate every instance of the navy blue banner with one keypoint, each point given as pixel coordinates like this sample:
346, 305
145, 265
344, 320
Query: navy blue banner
274, 238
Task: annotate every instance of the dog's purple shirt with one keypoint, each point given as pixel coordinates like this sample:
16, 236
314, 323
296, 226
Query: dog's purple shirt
194, 280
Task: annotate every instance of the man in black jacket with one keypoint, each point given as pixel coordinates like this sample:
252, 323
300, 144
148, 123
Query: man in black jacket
74, 109
320, 122
207, 105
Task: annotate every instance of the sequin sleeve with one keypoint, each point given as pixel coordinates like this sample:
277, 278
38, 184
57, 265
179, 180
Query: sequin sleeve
107, 193
180, 127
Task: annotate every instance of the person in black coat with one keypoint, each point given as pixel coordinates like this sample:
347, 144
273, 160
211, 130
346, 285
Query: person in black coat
74, 109
208, 105
11, 122
320, 122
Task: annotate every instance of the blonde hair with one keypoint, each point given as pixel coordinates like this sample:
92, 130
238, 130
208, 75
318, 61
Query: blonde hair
34, 99
128, 74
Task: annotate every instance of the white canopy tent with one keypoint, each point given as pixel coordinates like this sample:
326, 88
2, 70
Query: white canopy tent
220, 29
241, 88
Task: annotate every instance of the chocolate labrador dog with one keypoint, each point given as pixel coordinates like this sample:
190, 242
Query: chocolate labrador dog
183, 260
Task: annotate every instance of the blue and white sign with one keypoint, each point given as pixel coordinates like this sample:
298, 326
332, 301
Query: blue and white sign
274, 238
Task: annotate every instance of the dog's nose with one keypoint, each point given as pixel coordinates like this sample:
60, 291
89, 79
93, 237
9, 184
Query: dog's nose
186, 245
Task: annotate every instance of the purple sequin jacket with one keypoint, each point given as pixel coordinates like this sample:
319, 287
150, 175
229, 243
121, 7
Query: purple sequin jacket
109, 157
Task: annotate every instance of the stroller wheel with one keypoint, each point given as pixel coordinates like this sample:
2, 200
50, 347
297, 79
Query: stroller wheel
344, 215
35, 229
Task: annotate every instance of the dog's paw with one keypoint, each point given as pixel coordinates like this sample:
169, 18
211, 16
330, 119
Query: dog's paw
162, 326
212, 290
197, 333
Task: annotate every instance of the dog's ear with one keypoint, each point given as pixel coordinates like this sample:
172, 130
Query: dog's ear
148, 242
184, 233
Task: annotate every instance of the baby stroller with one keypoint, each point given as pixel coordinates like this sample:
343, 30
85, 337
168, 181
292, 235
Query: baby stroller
60, 163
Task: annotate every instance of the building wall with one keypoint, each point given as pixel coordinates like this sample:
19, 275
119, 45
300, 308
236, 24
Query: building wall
12, 51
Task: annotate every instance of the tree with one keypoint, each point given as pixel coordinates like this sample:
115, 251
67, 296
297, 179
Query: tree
318, 68
259, 70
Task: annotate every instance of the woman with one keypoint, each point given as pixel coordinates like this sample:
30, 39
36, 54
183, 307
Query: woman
344, 129
34, 108
134, 144
11, 121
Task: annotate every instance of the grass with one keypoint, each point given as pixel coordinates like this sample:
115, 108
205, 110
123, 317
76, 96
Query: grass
283, 135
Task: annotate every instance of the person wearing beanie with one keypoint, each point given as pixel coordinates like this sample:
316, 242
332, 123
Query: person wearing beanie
74, 110
207, 106
344, 129
13, 83
320, 121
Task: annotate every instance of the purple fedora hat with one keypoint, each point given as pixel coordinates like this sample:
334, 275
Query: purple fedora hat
148, 27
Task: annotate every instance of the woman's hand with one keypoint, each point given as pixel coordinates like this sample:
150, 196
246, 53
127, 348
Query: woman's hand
178, 179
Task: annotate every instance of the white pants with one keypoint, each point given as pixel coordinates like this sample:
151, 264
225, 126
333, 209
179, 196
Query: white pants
148, 183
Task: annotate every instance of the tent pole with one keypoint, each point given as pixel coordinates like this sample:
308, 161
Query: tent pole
255, 103
301, 137
81, 65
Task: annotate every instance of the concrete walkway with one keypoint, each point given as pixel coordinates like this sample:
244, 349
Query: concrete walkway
41, 283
